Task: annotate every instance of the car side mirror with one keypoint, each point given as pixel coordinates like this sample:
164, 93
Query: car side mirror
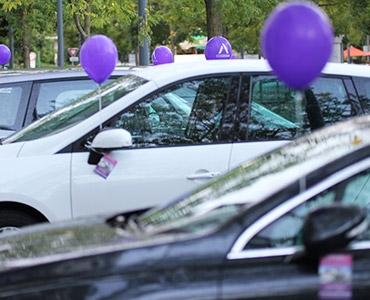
328, 228
108, 140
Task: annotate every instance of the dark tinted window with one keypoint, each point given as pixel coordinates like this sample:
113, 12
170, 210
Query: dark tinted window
363, 88
356, 105
278, 112
286, 231
191, 112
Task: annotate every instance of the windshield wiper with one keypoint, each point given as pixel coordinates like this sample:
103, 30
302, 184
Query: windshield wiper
6, 127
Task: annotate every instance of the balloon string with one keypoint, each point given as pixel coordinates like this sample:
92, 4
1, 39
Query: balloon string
298, 108
100, 105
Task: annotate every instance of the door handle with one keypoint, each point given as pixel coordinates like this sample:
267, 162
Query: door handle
205, 175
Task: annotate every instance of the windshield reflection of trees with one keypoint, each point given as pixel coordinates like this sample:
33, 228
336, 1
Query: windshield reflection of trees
297, 152
46, 243
276, 114
167, 119
78, 110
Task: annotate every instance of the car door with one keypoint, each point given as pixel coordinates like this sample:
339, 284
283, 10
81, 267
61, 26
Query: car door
182, 137
267, 260
271, 114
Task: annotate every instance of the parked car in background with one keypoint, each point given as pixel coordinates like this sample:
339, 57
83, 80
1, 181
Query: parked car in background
257, 232
188, 124
28, 95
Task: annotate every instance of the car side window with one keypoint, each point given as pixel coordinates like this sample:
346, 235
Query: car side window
363, 89
186, 113
275, 113
10, 99
13, 103
286, 230
54, 95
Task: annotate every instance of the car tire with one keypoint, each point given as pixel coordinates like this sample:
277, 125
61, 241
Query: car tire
11, 220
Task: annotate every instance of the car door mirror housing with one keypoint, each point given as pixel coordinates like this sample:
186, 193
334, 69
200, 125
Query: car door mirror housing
328, 228
108, 140
111, 139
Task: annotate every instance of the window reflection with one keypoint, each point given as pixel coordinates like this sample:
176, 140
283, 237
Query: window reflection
54, 95
10, 99
363, 89
186, 113
286, 231
276, 115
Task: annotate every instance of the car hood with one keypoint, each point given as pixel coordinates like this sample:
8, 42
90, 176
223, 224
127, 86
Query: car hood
47, 243
10, 150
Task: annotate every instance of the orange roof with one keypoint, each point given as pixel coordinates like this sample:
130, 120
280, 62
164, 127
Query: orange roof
355, 52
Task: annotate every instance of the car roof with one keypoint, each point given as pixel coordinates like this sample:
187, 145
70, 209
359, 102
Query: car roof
8, 76
177, 71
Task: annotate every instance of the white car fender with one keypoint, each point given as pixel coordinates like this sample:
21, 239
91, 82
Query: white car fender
39, 182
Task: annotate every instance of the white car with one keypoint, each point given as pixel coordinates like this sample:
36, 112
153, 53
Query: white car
188, 124
28, 95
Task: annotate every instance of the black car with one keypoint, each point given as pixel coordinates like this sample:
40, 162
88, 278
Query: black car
290, 224
28, 95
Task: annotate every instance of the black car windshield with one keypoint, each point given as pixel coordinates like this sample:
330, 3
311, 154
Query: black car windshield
78, 110
217, 202
212, 205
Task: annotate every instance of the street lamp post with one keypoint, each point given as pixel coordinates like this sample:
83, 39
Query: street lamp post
143, 49
348, 54
60, 34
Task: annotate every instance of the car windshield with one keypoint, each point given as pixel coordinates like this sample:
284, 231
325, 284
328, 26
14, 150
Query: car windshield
78, 110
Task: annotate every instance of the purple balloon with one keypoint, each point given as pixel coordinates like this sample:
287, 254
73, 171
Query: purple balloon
218, 48
233, 56
4, 54
297, 41
98, 57
162, 55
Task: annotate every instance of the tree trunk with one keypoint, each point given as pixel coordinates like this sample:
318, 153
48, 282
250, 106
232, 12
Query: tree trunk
214, 18
87, 20
172, 39
26, 49
25, 40
85, 29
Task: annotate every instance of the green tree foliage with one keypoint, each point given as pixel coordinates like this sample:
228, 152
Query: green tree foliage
99, 13
168, 22
32, 20
359, 24
244, 21
116, 18
178, 20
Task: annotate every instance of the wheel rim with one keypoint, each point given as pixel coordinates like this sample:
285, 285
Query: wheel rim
8, 228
